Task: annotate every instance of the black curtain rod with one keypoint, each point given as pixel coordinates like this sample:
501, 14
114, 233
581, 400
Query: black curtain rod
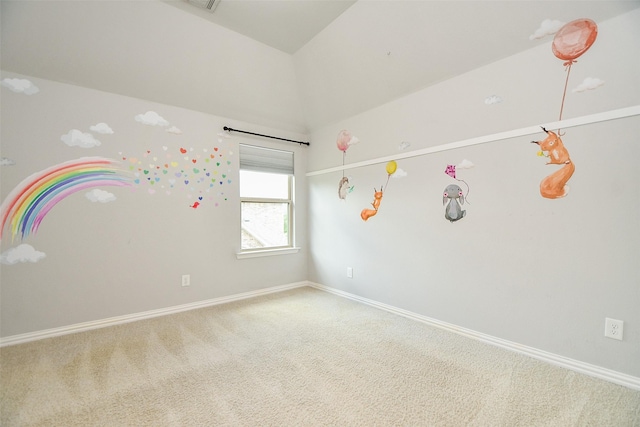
228, 129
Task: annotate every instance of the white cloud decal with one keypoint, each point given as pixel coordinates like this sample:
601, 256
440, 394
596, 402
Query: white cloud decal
465, 164
20, 86
589, 83
547, 28
97, 195
151, 118
21, 253
404, 145
493, 99
5, 161
102, 128
174, 130
399, 173
76, 138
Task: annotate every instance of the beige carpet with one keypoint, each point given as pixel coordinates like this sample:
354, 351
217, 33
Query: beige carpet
298, 358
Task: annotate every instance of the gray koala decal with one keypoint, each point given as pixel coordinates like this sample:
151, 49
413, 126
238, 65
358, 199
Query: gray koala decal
453, 211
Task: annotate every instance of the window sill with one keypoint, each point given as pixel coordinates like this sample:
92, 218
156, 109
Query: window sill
266, 252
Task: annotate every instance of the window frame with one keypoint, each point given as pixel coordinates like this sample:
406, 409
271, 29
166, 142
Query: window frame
289, 247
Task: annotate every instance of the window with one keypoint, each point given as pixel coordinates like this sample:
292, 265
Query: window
266, 201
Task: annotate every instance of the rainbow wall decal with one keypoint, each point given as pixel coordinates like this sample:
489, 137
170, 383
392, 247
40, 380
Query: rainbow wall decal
27, 205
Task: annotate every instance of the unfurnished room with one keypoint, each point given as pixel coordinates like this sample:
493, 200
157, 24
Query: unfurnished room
319, 213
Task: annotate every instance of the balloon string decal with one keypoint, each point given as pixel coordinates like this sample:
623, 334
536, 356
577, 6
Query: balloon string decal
344, 141
566, 84
468, 189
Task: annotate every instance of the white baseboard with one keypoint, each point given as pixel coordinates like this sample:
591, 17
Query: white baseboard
564, 362
111, 321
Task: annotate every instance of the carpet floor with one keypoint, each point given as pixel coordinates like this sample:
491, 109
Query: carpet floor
302, 357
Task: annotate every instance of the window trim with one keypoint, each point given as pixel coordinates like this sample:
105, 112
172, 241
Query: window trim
255, 253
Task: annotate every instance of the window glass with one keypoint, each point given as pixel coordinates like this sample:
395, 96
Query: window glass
265, 225
264, 185
266, 209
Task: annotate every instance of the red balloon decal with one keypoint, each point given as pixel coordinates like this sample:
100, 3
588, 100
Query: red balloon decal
574, 39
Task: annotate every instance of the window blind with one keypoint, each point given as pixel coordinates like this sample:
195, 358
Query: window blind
260, 159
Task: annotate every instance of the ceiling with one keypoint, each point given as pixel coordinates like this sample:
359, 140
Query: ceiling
286, 25
333, 58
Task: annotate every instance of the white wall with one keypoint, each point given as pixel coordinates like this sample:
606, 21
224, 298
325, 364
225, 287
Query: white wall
151, 50
539, 272
127, 256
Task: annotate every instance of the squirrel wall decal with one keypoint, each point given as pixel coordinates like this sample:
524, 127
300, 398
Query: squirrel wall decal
555, 185
377, 198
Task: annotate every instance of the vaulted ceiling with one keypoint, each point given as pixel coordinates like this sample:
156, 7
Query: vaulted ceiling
283, 24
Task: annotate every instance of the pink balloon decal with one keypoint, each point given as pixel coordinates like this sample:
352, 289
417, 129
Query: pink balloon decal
343, 140
570, 42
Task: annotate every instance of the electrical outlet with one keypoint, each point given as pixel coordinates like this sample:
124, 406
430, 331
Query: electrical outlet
186, 280
350, 272
613, 328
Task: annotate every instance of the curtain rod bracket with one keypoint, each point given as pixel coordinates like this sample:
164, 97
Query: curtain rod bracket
228, 129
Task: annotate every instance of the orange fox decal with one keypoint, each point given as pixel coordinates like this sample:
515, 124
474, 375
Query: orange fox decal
555, 185
377, 198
